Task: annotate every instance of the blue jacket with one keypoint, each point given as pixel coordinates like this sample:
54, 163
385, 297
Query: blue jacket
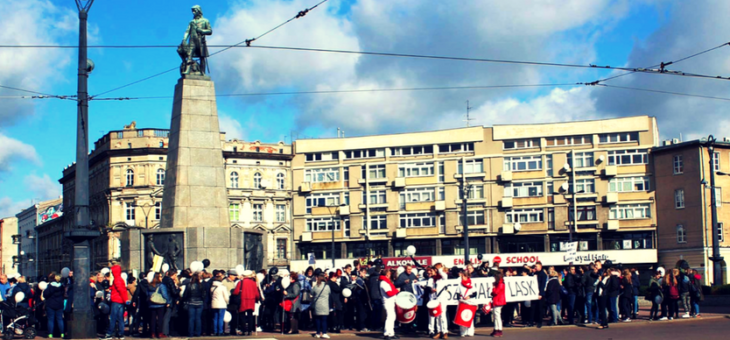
163, 291
54, 296
4, 287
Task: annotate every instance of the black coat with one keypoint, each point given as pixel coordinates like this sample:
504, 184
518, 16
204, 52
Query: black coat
614, 286
335, 295
542, 279
552, 292
54, 296
569, 283
374, 285
589, 280
628, 288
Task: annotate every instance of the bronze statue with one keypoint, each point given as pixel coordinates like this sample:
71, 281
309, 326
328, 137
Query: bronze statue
173, 250
194, 46
151, 251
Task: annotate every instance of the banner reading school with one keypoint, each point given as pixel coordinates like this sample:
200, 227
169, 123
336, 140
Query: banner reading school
517, 288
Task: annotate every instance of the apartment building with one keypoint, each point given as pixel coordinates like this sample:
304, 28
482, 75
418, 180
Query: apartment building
27, 236
8, 245
127, 171
523, 184
684, 204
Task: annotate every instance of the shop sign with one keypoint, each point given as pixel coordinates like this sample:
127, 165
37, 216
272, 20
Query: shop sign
395, 262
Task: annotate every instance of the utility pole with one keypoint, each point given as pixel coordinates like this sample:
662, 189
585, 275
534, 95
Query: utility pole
84, 326
715, 258
465, 196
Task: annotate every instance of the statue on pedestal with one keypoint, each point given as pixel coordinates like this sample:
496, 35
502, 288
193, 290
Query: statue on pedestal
194, 46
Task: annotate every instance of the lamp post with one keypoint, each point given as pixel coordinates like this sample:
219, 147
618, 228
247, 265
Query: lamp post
333, 227
715, 258
465, 189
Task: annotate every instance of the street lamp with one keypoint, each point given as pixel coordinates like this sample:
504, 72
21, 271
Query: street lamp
466, 189
333, 226
715, 258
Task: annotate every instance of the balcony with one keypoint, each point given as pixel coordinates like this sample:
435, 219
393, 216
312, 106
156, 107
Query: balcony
611, 198
307, 237
440, 206
16, 238
508, 228
374, 180
612, 225
401, 233
399, 183
506, 176
610, 171
344, 210
305, 188
507, 202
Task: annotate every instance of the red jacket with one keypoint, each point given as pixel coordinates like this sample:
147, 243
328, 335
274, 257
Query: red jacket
118, 288
249, 292
498, 298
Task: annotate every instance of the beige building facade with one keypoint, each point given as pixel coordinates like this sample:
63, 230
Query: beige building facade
684, 203
127, 174
522, 182
8, 245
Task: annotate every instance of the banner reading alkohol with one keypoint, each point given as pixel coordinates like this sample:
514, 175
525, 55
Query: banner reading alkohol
517, 288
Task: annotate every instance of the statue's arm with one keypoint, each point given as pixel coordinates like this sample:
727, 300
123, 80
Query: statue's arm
206, 30
187, 31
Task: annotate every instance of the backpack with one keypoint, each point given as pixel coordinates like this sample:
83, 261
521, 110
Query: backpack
673, 292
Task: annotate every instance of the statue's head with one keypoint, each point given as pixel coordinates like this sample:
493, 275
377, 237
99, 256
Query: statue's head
197, 11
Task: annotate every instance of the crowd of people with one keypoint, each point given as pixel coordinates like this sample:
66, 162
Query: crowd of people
360, 296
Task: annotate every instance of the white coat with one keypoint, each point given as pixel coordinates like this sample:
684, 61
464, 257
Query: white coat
219, 295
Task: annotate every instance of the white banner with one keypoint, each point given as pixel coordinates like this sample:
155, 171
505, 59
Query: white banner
625, 256
521, 288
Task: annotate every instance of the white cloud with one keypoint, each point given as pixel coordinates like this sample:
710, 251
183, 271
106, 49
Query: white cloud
12, 150
231, 127
8, 207
31, 22
42, 187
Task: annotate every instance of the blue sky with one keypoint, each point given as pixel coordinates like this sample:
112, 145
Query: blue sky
39, 135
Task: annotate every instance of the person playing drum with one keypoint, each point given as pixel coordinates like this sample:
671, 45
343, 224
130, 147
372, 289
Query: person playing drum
388, 292
466, 292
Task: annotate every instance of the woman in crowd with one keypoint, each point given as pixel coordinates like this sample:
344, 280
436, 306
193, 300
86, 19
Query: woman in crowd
250, 294
194, 296
695, 291
655, 295
466, 292
603, 288
219, 302
627, 295
157, 307
671, 293
292, 294
498, 300
552, 296
305, 284
321, 303
388, 293
337, 317
508, 311
54, 304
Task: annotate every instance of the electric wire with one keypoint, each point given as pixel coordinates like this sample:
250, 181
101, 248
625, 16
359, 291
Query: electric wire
663, 92
248, 42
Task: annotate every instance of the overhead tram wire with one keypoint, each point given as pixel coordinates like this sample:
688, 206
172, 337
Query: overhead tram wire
37, 95
248, 42
663, 65
476, 87
663, 92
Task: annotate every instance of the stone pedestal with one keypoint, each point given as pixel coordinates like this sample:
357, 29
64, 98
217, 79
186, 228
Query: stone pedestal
195, 199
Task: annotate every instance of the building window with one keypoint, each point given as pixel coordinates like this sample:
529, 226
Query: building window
551, 219
630, 211
585, 213
442, 176
458, 147
681, 234
716, 161
377, 222
412, 150
160, 176
678, 165
628, 184
679, 199
234, 211
473, 217
549, 164
720, 235
456, 246
376, 197
623, 240
526, 163
524, 216
411, 195
521, 144
280, 213
582, 159
583, 186
368, 153
623, 137
473, 166
475, 192
569, 140
417, 220
257, 180
281, 248
130, 177
524, 189
258, 212
322, 156
628, 157
322, 175
322, 200
373, 171
424, 247
280, 181
718, 197
415, 170
129, 212
158, 211
322, 224
234, 180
